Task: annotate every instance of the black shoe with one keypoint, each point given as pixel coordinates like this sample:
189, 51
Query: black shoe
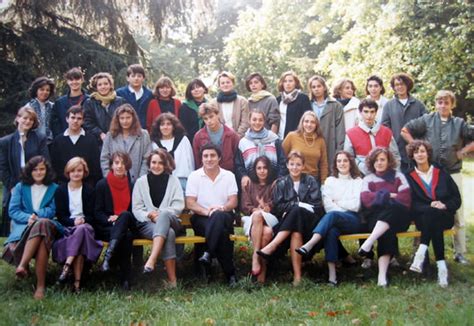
302, 251
64, 273
362, 253
232, 281
147, 270
205, 258
108, 255
264, 255
332, 284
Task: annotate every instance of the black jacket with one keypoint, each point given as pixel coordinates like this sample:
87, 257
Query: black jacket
97, 118
61, 198
295, 111
285, 196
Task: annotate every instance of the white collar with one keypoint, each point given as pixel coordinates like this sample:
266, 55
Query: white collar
137, 94
81, 133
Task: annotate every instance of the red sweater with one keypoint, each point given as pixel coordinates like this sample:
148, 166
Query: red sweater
154, 111
360, 139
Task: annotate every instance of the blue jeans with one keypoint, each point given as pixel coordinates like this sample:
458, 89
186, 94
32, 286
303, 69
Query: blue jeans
331, 226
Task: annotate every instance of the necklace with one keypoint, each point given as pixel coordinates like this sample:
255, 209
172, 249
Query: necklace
309, 138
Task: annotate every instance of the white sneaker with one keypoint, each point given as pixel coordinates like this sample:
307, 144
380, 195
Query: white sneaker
443, 277
367, 263
417, 265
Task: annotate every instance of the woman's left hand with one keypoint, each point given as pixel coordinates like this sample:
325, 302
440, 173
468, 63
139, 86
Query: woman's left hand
79, 221
437, 204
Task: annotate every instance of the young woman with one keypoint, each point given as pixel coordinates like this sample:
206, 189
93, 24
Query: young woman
258, 141
297, 204
330, 115
257, 204
126, 135
114, 221
344, 92
233, 108
341, 199
263, 100
374, 90
41, 90
33, 230
308, 140
168, 133
100, 107
189, 110
435, 200
163, 101
386, 197
75, 211
157, 201
292, 103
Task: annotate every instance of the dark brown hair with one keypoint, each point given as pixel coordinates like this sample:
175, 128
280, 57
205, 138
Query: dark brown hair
136, 69
368, 103
178, 129
372, 157
353, 170
295, 154
376, 79
74, 73
40, 82
195, 83
268, 164
415, 145
282, 79
116, 128
257, 76
124, 157
168, 162
404, 78
164, 82
210, 146
75, 109
26, 173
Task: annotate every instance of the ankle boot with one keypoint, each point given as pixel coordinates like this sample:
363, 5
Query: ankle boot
108, 255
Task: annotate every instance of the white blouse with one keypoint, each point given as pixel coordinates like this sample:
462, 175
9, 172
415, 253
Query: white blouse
37, 194
75, 202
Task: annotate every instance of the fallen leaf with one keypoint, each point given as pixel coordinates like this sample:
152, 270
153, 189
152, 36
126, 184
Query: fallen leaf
355, 321
313, 313
347, 312
373, 314
389, 322
210, 321
331, 313
411, 307
439, 306
35, 319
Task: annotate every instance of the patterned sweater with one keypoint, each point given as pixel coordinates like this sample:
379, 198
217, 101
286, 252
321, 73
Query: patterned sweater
376, 190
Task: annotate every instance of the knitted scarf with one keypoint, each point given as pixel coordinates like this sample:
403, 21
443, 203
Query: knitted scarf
289, 97
343, 101
226, 97
388, 175
193, 105
104, 100
120, 192
260, 95
261, 138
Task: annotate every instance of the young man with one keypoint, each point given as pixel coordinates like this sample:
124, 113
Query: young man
361, 139
135, 93
452, 139
74, 96
217, 133
75, 142
211, 193
401, 109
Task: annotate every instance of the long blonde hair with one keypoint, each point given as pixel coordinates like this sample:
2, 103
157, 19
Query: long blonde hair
300, 130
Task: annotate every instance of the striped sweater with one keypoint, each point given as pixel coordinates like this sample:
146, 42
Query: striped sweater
376, 190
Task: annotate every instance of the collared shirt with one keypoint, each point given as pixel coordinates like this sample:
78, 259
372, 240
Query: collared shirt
74, 138
425, 176
139, 94
318, 108
22, 141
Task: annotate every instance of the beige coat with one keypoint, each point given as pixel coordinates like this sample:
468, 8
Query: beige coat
240, 115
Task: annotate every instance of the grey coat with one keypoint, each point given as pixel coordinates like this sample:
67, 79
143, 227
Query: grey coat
396, 115
333, 128
138, 147
269, 106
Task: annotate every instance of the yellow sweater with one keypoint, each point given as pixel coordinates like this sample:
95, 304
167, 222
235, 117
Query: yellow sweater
316, 161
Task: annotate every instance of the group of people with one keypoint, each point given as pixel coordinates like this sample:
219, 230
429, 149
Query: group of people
118, 165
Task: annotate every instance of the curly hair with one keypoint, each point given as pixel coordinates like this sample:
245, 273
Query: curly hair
116, 128
405, 79
353, 169
372, 157
93, 81
26, 173
168, 162
40, 82
178, 129
415, 145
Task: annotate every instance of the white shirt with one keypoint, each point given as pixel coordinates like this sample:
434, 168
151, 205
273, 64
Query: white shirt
138, 94
74, 138
403, 101
351, 113
425, 176
37, 194
227, 109
296, 185
281, 130
183, 156
75, 202
22, 152
342, 193
208, 192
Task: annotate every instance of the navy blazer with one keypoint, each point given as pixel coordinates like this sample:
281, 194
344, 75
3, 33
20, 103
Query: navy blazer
58, 114
295, 111
61, 198
140, 106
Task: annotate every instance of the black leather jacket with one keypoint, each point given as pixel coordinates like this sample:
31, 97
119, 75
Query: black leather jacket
97, 118
285, 197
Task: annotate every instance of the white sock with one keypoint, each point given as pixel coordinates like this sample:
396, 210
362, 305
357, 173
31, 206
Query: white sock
422, 250
442, 273
441, 264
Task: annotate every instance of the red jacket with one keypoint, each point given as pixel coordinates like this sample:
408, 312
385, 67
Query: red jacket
360, 139
229, 147
154, 111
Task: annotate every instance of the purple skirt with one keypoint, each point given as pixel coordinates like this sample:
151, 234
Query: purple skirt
77, 240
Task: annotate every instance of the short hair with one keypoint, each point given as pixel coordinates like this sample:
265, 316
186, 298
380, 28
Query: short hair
136, 69
405, 78
74, 73
208, 108
164, 82
73, 163
376, 79
415, 145
368, 103
31, 112
295, 154
178, 129
337, 89
123, 156
256, 111
353, 169
93, 81
317, 130
226, 74
26, 173
116, 128
210, 146
40, 82
257, 76
268, 164
192, 85
372, 157
322, 81
444, 94
75, 109
168, 162
282, 79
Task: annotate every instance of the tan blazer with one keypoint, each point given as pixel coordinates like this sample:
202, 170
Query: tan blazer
240, 115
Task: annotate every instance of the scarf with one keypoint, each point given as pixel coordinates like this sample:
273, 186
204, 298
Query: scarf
260, 95
157, 185
226, 97
388, 176
176, 142
192, 104
261, 138
120, 190
343, 101
104, 100
287, 98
